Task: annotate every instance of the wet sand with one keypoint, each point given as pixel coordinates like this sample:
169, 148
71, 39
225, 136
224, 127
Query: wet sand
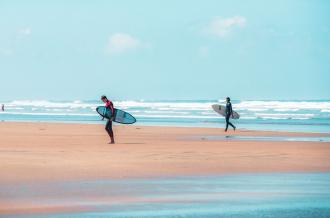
276, 195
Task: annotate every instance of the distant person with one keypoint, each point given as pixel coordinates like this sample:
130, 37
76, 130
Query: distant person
3, 107
108, 126
229, 113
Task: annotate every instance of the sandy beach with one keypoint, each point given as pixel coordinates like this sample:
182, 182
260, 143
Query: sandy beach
40, 153
167, 78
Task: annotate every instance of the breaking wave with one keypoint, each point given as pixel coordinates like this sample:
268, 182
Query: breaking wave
252, 111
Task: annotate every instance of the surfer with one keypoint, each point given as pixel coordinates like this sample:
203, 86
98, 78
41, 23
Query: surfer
3, 107
108, 126
229, 113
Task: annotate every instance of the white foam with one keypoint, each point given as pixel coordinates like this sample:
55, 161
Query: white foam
49, 104
248, 118
190, 110
286, 110
162, 112
283, 105
165, 105
48, 114
244, 105
284, 116
14, 108
257, 109
272, 118
175, 116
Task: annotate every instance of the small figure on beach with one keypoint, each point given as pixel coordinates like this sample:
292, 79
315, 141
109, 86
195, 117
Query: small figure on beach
108, 126
229, 113
3, 107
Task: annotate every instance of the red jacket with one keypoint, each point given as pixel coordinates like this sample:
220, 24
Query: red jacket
109, 104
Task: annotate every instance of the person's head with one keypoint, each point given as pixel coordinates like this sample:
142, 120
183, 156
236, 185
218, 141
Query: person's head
104, 98
228, 99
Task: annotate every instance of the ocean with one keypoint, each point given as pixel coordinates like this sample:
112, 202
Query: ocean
296, 116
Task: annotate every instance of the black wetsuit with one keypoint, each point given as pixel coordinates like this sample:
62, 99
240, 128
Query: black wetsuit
108, 126
229, 112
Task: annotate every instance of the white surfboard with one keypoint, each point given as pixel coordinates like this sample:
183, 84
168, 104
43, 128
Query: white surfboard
221, 109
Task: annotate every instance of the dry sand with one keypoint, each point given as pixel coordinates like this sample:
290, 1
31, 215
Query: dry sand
42, 152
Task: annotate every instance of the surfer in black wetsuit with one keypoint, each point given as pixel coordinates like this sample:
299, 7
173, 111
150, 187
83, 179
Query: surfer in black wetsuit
229, 113
108, 126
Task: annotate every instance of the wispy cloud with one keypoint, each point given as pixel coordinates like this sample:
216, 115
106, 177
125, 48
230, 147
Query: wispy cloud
20, 34
121, 42
222, 27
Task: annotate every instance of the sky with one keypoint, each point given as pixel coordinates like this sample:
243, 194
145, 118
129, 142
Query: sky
169, 49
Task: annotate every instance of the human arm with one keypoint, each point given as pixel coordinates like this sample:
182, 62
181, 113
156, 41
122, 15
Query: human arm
231, 111
112, 111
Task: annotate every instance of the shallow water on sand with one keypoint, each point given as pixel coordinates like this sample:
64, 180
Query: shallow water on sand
244, 195
263, 138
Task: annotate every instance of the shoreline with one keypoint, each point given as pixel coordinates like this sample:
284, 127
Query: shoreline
289, 126
241, 130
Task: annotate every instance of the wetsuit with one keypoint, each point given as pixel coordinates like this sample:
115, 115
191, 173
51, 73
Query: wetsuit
108, 126
229, 112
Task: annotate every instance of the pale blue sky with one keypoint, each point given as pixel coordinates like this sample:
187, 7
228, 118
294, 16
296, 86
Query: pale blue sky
165, 49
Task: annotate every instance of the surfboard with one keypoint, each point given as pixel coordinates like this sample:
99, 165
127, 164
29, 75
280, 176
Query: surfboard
221, 109
120, 116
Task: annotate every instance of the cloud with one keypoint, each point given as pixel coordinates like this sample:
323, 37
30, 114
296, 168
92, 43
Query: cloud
121, 42
25, 31
20, 34
222, 27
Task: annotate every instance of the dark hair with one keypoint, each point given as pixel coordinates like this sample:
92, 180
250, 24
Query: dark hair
104, 97
228, 98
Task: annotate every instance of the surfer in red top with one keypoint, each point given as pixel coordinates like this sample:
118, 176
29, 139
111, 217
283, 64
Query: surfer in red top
108, 126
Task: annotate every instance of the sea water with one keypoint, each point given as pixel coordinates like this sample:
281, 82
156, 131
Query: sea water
276, 195
305, 116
